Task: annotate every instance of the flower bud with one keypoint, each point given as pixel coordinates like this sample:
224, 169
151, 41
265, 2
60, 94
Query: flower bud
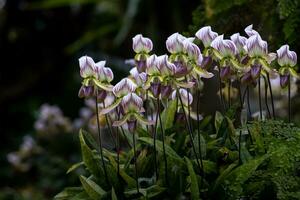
225, 72
141, 44
86, 91
166, 91
255, 71
175, 43
286, 57
206, 35
207, 62
284, 81
87, 67
124, 87
155, 89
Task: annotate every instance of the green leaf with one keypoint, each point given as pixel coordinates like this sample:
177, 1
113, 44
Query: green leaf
224, 174
93, 190
168, 114
202, 144
195, 193
68, 193
169, 151
89, 139
113, 194
74, 167
154, 190
88, 158
218, 121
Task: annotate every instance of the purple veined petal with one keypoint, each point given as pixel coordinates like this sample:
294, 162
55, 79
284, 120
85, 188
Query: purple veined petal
174, 43
124, 87
151, 65
239, 42
186, 96
86, 91
132, 103
250, 31
284, 80
87, 67
255, 71
206, 35
225, 47
141, 44
139, 78
225, 73
109, 74
256, 47
286, 57
192, 50
165, 67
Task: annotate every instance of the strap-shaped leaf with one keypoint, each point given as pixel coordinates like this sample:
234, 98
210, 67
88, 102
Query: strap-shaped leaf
75, 166
68, 193
93, 190
195, 193
168, 114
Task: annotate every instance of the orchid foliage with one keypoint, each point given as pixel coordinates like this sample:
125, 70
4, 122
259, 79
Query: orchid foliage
168, 154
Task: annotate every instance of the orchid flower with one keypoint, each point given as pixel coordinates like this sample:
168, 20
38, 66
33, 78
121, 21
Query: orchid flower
141, 46
287, 60
132, 106
95, 74
187, 100
120, 90
206, 35
239, 42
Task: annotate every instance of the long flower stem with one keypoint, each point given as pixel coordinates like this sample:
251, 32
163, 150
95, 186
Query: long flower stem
198, 129
110, 130
135, 163
248, 102
289, 97
259, 99
220, 90
189, 129
240, 137
229, 93
100, 141
154, 144
266, 97
163, 142
146, 109
271, 94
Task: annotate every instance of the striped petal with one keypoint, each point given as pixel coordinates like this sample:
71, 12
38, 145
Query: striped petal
286, 57
141, 44
206, 35
175, 43
87, 67
124, 87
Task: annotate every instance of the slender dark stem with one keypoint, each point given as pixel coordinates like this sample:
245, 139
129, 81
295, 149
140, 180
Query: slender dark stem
109, 128
189, 129
135, 162
198, 129
189, 107
289, 97
146, 109
271, 94
220, 90
118, 144
248, 101
240, 137
240, 96
259, 99
100, 141
163, 142
229, 93
266, 97
154, 144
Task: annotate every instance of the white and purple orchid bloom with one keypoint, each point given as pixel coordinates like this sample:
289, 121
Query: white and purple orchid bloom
121, 89
132, 106
287, 60
187, 100
141, 45
225, 48
95, 73
138, 78
250, 31
206, 35
175, 43
239, 42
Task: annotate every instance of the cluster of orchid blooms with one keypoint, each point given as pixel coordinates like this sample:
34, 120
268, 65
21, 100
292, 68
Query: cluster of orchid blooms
177, 75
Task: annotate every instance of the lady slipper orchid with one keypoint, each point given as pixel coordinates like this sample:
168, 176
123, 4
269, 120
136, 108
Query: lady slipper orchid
287, 60
141, 44
187, 100
87, 67
193, 51
132, 106
225, 48
175, 43
256, 47
104, 74
120, 90
206, 35
250, 31
139, 78
239, 42
165, 67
